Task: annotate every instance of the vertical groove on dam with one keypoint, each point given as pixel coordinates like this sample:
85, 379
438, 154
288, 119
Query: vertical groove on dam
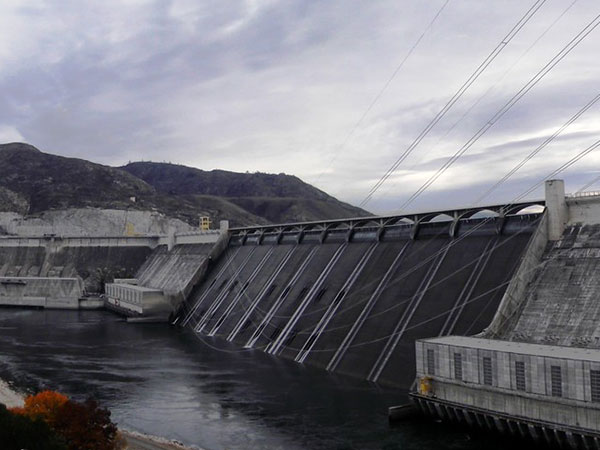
355, 302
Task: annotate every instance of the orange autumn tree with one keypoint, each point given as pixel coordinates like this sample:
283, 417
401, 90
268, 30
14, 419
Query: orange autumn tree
82, 426
45, 405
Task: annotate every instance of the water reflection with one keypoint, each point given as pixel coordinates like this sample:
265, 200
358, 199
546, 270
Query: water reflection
164, 381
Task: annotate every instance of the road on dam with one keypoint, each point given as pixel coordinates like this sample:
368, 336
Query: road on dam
167, 382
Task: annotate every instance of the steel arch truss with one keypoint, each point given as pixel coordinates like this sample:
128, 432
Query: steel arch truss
257, 234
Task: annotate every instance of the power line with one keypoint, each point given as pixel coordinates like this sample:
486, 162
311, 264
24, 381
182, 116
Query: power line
517, 61
564, 167
381, 91
587, 185
539, 148
466, 85
507, 106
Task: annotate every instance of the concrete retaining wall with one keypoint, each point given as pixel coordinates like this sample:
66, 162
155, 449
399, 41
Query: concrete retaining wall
515, 295
58, 293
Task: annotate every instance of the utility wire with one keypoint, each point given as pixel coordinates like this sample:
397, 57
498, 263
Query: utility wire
474, 76
381, 91
538, 148
491, 88
507, 106
564, 167
587, 185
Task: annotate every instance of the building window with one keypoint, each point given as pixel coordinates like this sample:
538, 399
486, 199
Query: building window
458, 374
595, 385
487, 371
520, 375
556, 381
430, 362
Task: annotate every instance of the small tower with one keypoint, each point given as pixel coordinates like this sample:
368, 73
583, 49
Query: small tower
556, 207
204, 223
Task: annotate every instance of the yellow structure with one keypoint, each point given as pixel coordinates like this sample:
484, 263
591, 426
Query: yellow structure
129, 229
205, 223
426, 386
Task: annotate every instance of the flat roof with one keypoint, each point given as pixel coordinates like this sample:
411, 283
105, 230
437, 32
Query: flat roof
522, 348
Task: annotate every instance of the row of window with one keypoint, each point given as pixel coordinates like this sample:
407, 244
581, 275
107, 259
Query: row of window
520, 383
123, 294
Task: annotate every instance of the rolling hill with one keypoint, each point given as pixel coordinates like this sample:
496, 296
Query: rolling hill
32, 182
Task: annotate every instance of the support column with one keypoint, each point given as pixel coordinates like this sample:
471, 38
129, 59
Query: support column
556, 208
171, 238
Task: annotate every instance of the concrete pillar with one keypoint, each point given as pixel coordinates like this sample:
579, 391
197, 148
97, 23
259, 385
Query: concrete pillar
556, 208
171, 238
223, 226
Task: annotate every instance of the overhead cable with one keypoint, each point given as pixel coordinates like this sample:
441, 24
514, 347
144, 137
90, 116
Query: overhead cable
539, 148
507, 106
562, 168
458, 94
381, 91
587, 185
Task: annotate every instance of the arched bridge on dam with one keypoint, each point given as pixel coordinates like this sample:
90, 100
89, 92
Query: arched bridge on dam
353, 295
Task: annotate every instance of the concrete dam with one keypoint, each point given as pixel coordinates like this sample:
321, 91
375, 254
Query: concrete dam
534, 372
353, 296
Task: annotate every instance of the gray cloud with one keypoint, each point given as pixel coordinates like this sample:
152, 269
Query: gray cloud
277, 86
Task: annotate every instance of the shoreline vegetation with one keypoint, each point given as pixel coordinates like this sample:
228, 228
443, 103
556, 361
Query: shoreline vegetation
11, 398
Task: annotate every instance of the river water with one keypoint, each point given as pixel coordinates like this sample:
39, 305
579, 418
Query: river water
166, 381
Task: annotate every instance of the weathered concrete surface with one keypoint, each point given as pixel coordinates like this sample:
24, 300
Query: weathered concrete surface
167, 277
172, 271
52, 293
515, 294
91, 263
561, 304
584, 208
556, 208
91, 222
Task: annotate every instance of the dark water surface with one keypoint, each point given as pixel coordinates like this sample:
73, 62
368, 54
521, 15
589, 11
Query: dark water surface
165, 381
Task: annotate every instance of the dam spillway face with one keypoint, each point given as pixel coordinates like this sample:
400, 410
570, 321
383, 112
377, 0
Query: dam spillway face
353, 301
561, 304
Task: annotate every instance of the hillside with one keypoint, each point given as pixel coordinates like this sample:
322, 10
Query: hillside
47, 181
276, 198
32, 182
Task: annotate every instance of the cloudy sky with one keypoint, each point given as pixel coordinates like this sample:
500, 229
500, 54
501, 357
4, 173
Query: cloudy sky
280, 86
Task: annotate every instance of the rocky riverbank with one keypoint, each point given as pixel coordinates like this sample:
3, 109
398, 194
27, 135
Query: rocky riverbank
9, 396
